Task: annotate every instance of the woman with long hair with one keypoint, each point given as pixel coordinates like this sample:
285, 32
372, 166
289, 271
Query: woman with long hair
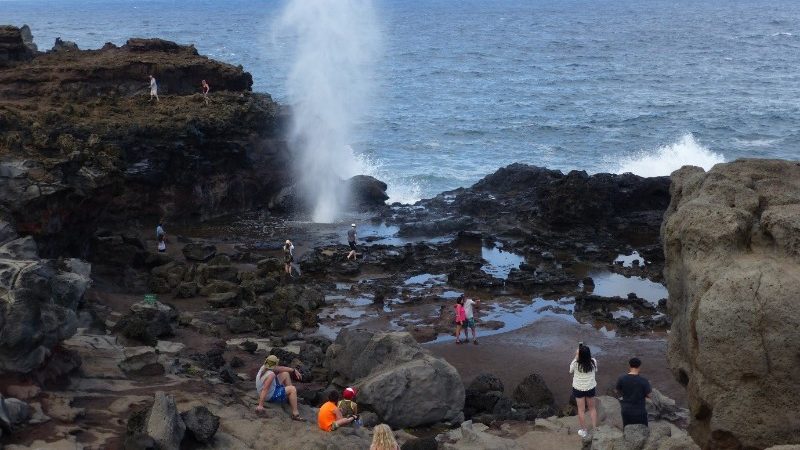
584, 368
383, 438
461, 317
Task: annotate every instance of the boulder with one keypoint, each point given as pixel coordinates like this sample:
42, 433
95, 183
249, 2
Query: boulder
12, 45
187, 289
733, 273
163, 423
534, 392
141, 361
201, 424
404, 384
486, 382
367, 191
199, 252
19, 412
147, 322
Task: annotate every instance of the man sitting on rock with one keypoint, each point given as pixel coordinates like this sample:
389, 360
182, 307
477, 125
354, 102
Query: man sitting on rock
634, 389
330, 416
274, 384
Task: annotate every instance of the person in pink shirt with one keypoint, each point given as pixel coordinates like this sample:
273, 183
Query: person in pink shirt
461, 317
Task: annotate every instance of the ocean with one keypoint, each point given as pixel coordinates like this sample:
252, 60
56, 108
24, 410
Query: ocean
461, 88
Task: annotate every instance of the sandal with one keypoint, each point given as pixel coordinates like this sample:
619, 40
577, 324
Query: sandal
297, 418
475, 342
458, 342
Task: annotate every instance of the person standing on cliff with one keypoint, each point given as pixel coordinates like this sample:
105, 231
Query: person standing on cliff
634, 389
583, 369
206, 89
153, 88
469, 305
351, 239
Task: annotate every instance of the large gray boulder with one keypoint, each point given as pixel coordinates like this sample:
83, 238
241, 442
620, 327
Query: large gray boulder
404, 384
732, 245
164, 424
201, 424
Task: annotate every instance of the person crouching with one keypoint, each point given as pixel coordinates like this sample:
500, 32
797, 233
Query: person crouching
330, 416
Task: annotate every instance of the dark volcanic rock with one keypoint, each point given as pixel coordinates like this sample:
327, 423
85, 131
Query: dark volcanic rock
199, 252
12, 46
534, 392
486, 382
367, 191
83, 149
201, 424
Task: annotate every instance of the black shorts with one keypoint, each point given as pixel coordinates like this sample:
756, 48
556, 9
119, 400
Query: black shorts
633, 418
352, 246
581, 394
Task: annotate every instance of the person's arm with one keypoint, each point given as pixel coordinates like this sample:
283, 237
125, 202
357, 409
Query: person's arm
290, 370
618, 387
265, 388
648, 389
572, 366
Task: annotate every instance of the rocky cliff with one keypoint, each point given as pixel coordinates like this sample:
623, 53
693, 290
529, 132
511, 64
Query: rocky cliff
732, 246
83, 148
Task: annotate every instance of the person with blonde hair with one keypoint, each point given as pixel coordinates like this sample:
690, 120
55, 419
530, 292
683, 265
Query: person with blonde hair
383, 438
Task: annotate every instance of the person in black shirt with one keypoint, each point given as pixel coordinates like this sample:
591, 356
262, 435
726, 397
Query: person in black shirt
634, 388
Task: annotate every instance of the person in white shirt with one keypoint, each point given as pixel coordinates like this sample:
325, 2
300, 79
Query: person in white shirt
469, 305
153, 88
584, 367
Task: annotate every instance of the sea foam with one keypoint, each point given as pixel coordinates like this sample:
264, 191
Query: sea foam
668, 158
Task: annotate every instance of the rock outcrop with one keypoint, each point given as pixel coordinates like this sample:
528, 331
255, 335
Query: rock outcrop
732, 245
82, 149
404, 384
12, 46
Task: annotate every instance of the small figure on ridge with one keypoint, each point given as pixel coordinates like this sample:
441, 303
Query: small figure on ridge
153, 88
206, 89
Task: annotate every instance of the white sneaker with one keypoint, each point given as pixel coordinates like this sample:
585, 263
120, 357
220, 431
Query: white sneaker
582, 433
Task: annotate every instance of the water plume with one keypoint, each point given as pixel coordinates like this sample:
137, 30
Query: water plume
335, 43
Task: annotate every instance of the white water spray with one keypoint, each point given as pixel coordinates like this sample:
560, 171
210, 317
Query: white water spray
666, 159
335, 45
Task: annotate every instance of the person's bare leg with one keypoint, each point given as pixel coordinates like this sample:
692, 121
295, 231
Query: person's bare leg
592, 411
291, 394
581, 405
285, 379
474, 335
458, 333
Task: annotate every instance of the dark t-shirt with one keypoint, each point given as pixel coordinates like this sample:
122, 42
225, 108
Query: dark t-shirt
634, 390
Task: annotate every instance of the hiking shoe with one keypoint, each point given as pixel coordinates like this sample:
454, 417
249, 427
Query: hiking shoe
582, 433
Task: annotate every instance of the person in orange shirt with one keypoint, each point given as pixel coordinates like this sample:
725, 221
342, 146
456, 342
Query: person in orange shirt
330, 416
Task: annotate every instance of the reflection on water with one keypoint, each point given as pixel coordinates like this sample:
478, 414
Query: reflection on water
627, 260
499, 262
517, 314
426, 278
609, 284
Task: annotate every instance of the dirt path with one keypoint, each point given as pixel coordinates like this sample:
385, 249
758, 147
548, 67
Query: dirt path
547, 347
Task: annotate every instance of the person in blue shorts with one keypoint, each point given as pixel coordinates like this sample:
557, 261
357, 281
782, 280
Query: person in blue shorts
274, 385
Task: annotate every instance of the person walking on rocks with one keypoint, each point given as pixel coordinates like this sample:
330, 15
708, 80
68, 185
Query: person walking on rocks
153, 88
583, 369
351, 239
330, 416
383, 438
634, 389
206, 89
161, 237
461, 318
469, 305
274, 385
288, 257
